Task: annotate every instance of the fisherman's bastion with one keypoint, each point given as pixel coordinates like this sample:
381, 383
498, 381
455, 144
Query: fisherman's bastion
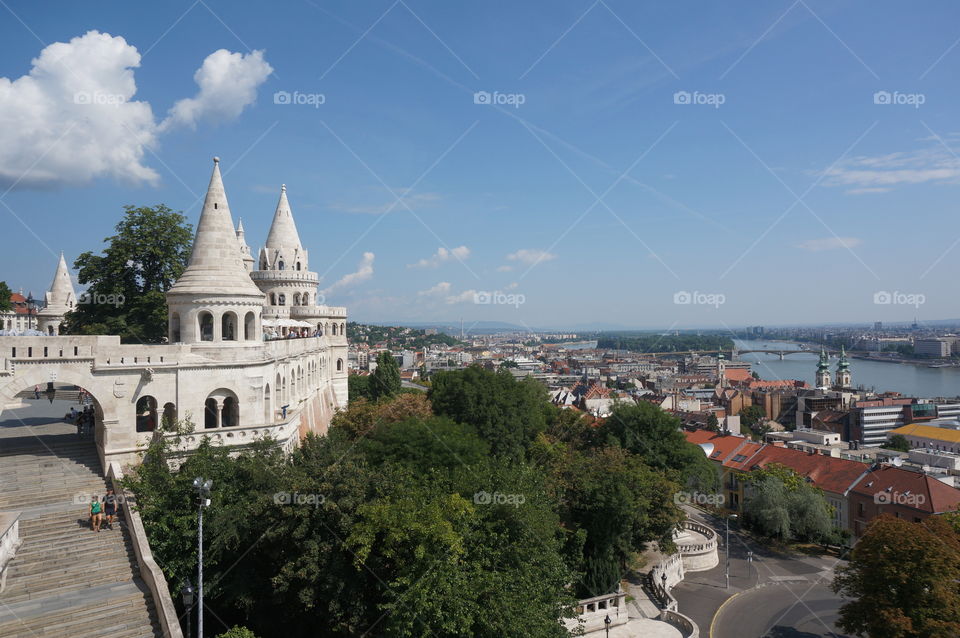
250, 352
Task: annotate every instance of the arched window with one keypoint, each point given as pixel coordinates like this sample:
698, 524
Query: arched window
273, 299
280, 265
205, 319
339, 365
250, 326
169, 419
228, 327
267, 407
175, 328
282, 299
334, 330
306, 299
296, 299
293, 386
320, 329
210, 413
343, 330
285, 397
230, 414
146, 414
298, 265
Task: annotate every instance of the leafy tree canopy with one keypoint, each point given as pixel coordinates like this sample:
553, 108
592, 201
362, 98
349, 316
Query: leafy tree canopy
126, 284
5, 304
897, 442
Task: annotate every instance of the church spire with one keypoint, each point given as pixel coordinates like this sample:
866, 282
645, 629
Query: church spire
283, 231
216, 264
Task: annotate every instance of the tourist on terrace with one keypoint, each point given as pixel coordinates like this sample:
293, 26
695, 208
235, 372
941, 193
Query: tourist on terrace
95, 513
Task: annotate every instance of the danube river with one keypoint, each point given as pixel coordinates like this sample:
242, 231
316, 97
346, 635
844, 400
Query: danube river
909, 380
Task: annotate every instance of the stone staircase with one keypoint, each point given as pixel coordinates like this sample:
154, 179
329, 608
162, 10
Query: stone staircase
66, 580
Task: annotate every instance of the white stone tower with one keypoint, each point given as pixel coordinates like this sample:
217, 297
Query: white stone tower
214, 301
58, 301
283, 274
244, 249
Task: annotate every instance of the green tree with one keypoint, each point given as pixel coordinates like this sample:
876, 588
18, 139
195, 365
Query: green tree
751, 416
653, 434
781, 504
897, 442
385, 380
506, 413
358, 387
902, 581
126, 284
237, 632
713, 423
5, 304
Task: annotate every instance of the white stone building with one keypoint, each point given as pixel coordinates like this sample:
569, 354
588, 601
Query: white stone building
218, 370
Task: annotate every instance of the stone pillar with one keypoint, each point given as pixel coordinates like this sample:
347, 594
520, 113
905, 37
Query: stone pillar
219, 413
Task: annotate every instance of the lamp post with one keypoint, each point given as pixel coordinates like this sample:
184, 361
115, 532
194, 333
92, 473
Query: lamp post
186, 594
606, 624
203, 500
726, 569
663, 580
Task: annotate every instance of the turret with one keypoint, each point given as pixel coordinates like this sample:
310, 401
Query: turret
843, 370
58, 301
214, 300
248, 260
823, 371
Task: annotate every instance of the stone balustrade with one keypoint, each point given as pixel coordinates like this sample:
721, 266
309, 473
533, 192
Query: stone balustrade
701, 555
682, 624
9, 542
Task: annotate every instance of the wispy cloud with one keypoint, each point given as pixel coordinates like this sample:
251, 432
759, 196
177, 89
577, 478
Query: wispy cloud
442, 255
530, 256
829, 243
442, 288
876, 174
466, 295
363, 273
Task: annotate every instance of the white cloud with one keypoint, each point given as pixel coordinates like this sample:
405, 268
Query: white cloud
530, 256
459, 253
442, 288
877, 174
504, 268
228, 84
73, 118
466, 295
363, 273
829, 243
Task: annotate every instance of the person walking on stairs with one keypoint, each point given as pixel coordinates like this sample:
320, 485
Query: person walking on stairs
110, 506
96, 513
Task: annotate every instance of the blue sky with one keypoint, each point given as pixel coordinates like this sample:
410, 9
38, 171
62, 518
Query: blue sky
736, 156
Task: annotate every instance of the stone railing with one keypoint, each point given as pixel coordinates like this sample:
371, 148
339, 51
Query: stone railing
9, 542
699, 556
683, 624
659, 587
592, 613
150, 572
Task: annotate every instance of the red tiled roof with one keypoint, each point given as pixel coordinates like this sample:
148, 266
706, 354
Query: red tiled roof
898, 483
737, 374
723, 444
762, 384
828, 473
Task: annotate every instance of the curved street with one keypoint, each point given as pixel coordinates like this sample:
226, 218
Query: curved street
780, 610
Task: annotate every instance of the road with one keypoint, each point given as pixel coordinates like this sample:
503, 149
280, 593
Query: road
780, 610
701, 594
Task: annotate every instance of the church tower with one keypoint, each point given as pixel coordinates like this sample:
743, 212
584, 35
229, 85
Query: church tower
843, 370
58, 301
283, 274
214, 301
823, 372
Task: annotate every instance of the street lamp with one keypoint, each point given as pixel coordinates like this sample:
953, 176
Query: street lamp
606, 624
726, 569
203, 500
186, 594
663, 579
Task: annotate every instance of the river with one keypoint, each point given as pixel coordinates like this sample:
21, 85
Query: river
909, 380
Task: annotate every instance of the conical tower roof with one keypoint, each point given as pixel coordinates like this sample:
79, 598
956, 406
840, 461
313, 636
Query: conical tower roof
283, 232
843, 363
61, 289
216, 263
824, 363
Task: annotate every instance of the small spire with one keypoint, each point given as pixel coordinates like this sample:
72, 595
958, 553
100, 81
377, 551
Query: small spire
216, 160
283, 188
240, 225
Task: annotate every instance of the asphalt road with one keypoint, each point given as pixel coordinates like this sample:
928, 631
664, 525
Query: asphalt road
781, 610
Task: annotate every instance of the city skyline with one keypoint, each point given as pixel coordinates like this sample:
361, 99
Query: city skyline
673, 167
